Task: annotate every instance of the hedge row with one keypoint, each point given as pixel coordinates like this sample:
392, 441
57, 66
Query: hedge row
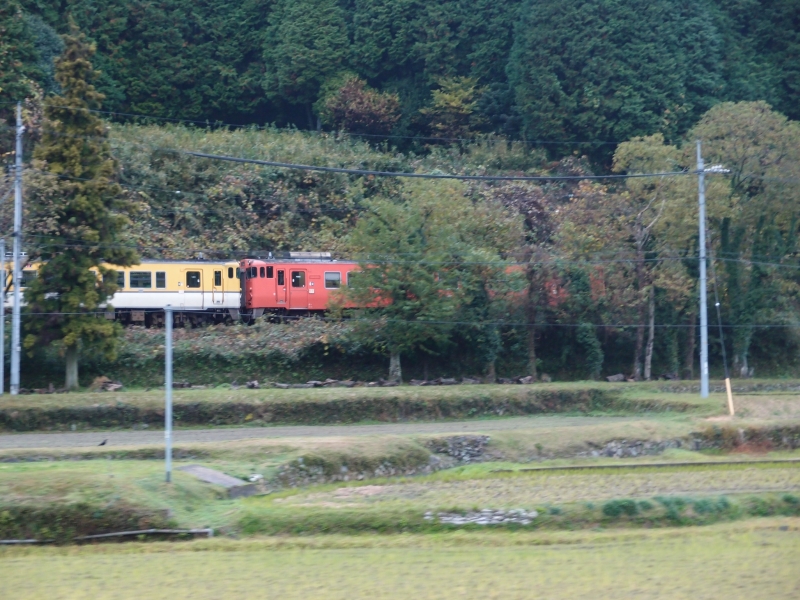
64, 522
399, 406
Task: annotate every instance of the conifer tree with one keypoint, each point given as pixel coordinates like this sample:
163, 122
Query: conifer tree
78, 213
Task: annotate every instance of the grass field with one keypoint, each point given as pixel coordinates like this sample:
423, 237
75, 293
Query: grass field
734, 561
222, 394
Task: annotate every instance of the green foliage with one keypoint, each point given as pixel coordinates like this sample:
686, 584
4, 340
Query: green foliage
451, 114
305, 44
617, 508
610, 70
78, 207
17, 67
426, 255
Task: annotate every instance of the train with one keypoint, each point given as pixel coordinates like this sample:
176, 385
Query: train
210, 291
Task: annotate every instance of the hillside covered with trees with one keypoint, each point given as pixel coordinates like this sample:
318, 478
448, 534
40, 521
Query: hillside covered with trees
540, 70
576, 278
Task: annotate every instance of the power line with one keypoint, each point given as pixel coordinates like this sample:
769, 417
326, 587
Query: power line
438, 321
302, 167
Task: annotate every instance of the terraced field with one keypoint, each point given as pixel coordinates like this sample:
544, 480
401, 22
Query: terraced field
530, 489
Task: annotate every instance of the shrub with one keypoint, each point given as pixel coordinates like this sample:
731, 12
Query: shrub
617, 508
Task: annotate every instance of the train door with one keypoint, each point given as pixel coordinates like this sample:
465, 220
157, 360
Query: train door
280, 295
193, 289
299, 289
217, 288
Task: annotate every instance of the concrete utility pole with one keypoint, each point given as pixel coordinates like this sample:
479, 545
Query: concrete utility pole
168, 390
16, 347
701, 182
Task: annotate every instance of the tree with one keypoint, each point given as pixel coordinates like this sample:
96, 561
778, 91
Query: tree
355, 108
17, 67
753, 213
452, 110
78, 212
425, 256
610, 70
305, 45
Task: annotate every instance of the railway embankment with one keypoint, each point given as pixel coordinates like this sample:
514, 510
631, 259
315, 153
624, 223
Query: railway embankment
321, 406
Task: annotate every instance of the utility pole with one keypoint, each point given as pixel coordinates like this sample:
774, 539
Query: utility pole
16, 347
168, 390
701, 183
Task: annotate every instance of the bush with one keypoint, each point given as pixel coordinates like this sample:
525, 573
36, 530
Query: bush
617, 508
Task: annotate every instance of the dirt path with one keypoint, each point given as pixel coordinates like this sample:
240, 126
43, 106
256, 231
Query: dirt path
140, 438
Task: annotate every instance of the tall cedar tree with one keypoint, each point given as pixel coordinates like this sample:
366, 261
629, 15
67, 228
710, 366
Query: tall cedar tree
78, 210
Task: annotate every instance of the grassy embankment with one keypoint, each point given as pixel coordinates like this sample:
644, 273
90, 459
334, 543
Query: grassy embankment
54, 494
225, 406
62, 499
739, 561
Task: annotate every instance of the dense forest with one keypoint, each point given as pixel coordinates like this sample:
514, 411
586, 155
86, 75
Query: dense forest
574, 278
540, 70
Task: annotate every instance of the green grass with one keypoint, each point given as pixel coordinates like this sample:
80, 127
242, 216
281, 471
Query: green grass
223, 393
387, 505
735, 562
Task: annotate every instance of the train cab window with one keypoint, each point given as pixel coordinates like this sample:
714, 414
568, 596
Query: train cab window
141, 279
262, 272
217, 277
281, 280
298, 279
230, 272
161, 280
120, 279
270, 272
252, 272
27, 277
333, 280
192, 279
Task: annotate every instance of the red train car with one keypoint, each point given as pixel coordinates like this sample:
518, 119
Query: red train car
299, 283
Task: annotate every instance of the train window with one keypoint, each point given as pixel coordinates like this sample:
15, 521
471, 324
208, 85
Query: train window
252, 272
120, 279
217, 277
351, 277
192, 279
270, 272
230, 272
27, 277
298, 279
281, 280
141, 279
161, 280
333, 280
262, 272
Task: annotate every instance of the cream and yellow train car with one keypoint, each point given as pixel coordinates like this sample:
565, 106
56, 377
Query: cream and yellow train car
199, 291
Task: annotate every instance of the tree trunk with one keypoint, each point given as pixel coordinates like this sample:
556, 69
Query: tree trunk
532, 352
651, 316
72, 368
310, 117
688, 364
395, 374
491, 372
530, 315
637, 358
